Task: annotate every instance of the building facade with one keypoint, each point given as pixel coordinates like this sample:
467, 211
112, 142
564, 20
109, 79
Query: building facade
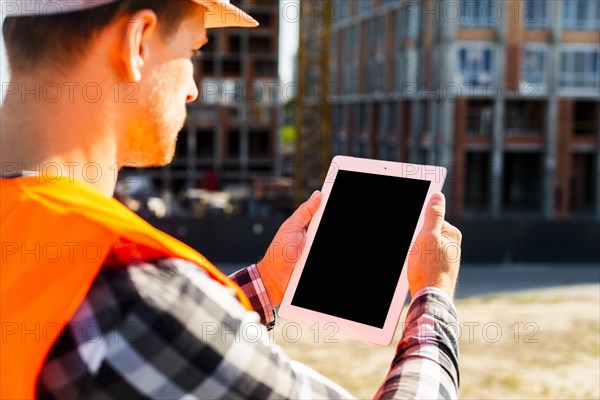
231, 132
505, 93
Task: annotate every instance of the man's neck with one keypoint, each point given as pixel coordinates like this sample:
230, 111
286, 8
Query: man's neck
66, 136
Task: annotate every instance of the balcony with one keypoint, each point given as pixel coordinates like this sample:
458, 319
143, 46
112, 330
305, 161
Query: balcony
525, 118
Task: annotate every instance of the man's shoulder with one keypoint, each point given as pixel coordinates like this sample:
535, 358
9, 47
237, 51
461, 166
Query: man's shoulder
148, 278
166, 285
147, 290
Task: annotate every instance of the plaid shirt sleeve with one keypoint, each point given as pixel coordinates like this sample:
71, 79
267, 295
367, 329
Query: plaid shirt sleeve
166, 330
426, 362
249, 280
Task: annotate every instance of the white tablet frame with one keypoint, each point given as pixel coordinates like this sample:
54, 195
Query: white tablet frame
381, 336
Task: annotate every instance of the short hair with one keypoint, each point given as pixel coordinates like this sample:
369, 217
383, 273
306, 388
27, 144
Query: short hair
62, 39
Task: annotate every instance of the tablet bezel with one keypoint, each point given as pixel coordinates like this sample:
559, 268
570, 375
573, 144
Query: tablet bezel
436, 175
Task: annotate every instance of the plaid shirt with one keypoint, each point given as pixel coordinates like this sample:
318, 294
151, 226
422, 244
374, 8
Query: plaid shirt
166, 330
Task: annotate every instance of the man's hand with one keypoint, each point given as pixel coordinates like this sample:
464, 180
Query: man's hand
276, 267
434, 259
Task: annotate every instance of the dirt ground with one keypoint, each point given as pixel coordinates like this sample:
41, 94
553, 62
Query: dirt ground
535, 344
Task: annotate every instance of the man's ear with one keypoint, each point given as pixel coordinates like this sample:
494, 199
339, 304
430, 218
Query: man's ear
135, 46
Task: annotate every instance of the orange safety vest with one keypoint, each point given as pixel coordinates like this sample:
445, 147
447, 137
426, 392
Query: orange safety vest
56, 234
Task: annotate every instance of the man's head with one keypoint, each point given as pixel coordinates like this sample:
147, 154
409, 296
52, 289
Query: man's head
139, 52
60, 30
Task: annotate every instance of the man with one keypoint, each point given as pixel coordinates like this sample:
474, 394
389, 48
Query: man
96, 302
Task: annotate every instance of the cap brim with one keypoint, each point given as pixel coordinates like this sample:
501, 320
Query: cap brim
222, 14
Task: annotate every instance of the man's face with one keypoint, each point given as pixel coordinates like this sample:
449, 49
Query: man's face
166, 86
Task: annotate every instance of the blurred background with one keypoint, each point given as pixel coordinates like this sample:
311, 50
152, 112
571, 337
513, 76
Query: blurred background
505, 94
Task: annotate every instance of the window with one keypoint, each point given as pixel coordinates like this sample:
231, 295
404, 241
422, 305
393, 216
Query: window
581, 14
259, 44
350, 60
263, 91
265, 68
522, 178
534, 68
480, 115
259, 143
351, 77
208, 66
233, 144
479, 13
343, 9
524, 117
350, 38
231, 91
206, 113
235, 44
405, 70
384, 119
211, 45
258, 113
340, 123
181, 147
232, 68
408, 20
333, 57
410, 66
585, 118
376, 32
336, 119
363, 117
264, 17
475, 64
536, 14
579, 68
582, 183
390, 151
363, 146
477, 182
211, 90
341, 143
363, 5
376, 55
398, 26
205, 143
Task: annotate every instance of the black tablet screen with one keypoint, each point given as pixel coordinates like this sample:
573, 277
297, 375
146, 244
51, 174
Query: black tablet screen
360, 247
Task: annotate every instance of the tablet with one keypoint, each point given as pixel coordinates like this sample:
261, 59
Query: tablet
351, 277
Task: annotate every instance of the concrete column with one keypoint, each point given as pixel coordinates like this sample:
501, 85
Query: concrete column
384, 117
497, 153
497, 158
191, 170
549, 166
598, 162
446, 109
415, 128
549, 156
167, 190
218, 130
244, 139
432, 128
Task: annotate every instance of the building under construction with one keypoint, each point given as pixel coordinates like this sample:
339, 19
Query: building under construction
506, 94
231, 133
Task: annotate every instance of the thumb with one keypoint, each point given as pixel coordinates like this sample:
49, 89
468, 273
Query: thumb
305, 212
435, 213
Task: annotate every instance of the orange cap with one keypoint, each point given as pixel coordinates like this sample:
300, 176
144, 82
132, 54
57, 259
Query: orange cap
219, 14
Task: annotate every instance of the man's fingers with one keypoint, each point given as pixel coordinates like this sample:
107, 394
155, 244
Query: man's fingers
435, 213
305, 212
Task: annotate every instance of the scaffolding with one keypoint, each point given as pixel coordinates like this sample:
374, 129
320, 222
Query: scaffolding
312, 114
